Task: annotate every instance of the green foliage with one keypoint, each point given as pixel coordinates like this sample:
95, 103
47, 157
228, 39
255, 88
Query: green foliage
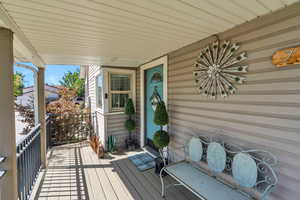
130, 125
18, 84
64, 104
161, 139
129, 108
161, 117
72, 80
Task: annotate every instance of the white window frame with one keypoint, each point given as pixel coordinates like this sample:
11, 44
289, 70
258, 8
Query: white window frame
99, 108
132, 93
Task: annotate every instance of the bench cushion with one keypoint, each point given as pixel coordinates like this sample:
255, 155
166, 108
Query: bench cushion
216, 157
202, 184
195, 149
244, 170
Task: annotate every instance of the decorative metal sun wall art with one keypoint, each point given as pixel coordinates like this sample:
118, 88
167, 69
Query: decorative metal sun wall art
217, 69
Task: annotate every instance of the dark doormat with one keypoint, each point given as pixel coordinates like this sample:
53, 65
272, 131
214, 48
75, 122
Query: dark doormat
143, 161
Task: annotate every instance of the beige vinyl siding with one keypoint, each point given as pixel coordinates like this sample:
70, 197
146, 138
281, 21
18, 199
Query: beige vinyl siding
115, 126
265, 112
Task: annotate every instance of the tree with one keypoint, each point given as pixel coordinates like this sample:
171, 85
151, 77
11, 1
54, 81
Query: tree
18, 84
161, 138
64, 105
27, 114
72, 80
129, 123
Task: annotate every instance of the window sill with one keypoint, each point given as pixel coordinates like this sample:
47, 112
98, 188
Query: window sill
115, 113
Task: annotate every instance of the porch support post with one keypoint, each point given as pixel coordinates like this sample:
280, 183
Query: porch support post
8, 184
42, 113
35, 99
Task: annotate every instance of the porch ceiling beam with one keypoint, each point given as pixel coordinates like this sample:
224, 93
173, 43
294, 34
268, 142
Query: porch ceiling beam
11, 24
34, 70
35, 93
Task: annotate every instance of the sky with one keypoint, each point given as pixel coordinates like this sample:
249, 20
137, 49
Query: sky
53, 73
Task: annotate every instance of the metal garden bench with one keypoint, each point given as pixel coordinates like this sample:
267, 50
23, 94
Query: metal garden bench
215, 170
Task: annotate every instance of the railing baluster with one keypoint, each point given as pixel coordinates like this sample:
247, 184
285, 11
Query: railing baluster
28, 163
60, 129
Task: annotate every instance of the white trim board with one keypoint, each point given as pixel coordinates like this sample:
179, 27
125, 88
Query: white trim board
163, 60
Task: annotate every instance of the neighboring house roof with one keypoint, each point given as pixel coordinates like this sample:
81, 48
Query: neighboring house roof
51, 94
48, 88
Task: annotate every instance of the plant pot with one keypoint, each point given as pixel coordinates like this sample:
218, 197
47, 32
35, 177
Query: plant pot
130, 144
159, 164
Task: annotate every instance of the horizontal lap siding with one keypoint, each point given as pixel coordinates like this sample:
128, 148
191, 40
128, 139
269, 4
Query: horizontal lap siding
115, 127
99, 120
92, 71
265, 112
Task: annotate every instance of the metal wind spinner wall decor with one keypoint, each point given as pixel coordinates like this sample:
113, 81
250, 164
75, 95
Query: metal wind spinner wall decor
217, 69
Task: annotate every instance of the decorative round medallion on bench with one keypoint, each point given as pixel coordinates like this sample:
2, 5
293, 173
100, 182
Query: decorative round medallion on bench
244, 170
216, 157
195, 149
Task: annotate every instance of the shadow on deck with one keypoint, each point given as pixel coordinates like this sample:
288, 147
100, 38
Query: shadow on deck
75, 173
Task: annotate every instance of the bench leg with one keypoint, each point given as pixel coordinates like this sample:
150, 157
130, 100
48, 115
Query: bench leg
162, 183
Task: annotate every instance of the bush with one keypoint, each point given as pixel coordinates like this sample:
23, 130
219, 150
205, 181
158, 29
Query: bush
161, 139
129, 108
161, 117
130, 125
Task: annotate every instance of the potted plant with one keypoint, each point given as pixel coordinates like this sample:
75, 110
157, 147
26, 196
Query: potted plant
130, 124
161, 137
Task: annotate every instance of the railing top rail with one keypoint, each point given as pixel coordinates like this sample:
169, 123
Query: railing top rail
36, 128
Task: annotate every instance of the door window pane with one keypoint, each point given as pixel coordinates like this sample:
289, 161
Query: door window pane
120, 82
119, 101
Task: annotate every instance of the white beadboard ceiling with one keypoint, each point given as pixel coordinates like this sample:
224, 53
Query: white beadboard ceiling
122, 32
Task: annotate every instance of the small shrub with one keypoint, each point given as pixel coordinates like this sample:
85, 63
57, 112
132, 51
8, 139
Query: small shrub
129, 108
161, 139
130, 125
161, 117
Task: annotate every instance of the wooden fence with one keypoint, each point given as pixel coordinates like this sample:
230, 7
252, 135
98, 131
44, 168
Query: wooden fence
68, 128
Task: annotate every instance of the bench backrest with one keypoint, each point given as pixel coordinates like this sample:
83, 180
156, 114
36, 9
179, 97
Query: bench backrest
251, 170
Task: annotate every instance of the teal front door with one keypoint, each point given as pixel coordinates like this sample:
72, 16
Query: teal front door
154, 93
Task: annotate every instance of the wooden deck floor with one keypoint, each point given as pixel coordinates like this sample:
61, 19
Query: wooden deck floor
75, 173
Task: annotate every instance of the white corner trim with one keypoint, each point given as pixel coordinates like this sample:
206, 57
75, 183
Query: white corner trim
163, 60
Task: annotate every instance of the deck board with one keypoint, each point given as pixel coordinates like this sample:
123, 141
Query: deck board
75, 173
